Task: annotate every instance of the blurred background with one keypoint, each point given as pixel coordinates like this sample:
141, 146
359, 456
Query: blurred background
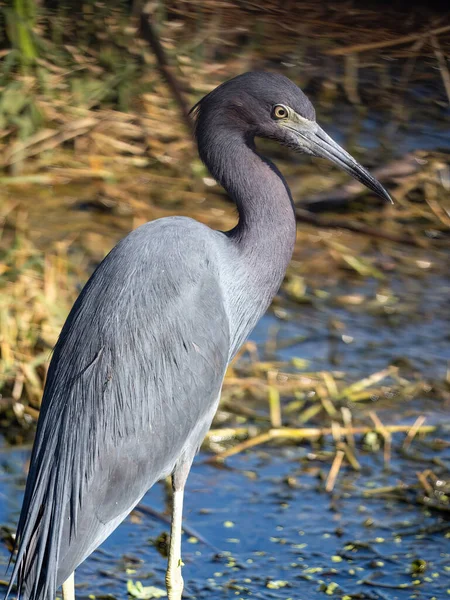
326, 471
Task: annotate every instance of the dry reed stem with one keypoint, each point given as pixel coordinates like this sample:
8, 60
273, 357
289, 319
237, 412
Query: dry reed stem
414, 430
21, 150
250, 443
422, 477
442, 62
351, 78
386, 437
387, 489
336, 432
274, 400
299, 434
347, 418
327, 404
334, 471
367, 382
387, 43
350, 456
226, 433
431, 199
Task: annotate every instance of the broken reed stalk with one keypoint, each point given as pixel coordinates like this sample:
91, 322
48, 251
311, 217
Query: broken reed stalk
387, 489
334, 471
413, 431
350, 456
431, 195
250, 443
351, 79
386, 437
274, 400
422, 477
148, 33
311, 433
347, 419
387, 43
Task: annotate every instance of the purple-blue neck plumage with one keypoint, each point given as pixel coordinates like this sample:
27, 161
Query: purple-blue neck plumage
264, 237
266, 213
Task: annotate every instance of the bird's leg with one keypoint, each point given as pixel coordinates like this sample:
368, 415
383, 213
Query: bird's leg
174, 580
68, 588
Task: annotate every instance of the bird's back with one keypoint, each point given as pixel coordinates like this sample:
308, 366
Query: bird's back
132, 387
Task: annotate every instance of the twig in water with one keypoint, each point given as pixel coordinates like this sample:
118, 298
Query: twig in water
413, 431
422, 477
347, 418
389, 586
350, 456
386, 437
274, 400
334, 471
336, 432
388, 489
366, 382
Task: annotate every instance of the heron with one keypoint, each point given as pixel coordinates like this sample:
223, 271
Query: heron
136, 374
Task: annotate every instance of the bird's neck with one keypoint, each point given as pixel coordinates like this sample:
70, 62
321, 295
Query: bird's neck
265, 233
263, 240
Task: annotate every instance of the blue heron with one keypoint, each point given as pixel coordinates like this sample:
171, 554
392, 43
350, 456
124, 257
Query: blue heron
136, 374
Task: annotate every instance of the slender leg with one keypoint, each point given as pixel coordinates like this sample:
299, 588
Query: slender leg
68, 588
174, 580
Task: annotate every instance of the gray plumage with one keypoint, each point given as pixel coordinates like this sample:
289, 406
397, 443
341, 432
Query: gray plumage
135, 377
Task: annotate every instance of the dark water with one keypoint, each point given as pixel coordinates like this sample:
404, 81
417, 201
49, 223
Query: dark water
415, 329
376, 131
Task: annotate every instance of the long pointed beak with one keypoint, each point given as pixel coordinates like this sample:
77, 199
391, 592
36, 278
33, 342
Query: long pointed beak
319, 143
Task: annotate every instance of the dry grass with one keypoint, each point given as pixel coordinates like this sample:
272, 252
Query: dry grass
368, 57
36, 292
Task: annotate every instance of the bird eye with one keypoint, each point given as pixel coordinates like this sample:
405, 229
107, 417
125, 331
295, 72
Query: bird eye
279, 112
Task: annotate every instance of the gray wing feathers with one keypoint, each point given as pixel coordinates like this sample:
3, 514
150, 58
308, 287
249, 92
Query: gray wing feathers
140, 359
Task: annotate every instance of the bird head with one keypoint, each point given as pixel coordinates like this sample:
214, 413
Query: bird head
269, 105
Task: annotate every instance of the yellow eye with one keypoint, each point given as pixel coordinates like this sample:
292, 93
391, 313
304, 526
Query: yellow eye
280, 112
